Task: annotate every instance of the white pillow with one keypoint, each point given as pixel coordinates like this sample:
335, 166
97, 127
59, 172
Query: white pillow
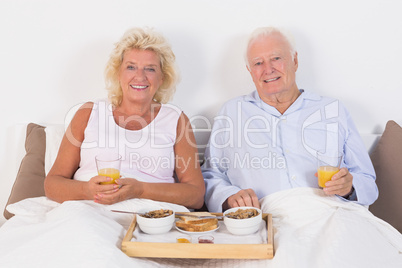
54, 135
32, 206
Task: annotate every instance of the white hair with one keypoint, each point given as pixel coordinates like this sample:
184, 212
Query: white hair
266, 31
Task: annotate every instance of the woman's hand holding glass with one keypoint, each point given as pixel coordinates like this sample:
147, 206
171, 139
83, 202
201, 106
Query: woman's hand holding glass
108, 166
97, 189
125, 188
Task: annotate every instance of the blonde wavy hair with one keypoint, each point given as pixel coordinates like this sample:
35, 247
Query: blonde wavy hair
143, 39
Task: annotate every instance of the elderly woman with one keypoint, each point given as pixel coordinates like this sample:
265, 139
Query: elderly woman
154, 139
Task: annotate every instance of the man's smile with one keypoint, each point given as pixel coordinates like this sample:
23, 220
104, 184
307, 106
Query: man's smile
272, 79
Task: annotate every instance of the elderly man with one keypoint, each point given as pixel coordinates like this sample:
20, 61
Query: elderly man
268, 141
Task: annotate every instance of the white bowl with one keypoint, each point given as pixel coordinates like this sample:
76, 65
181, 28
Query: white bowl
242, 226
155, 225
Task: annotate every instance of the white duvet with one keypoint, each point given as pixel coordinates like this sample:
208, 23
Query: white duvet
311, 230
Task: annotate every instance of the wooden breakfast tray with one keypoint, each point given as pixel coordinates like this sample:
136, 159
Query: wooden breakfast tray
199, 251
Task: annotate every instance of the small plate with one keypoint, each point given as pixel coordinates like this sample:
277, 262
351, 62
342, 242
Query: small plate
205, 232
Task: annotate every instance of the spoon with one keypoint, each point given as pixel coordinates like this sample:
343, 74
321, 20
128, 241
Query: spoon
176, 213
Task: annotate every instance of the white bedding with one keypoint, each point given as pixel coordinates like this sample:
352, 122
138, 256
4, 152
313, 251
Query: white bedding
311, 230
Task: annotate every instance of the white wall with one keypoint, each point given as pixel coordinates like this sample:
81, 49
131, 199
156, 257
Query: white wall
52, 55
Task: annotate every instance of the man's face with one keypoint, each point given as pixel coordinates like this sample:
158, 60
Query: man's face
271, 65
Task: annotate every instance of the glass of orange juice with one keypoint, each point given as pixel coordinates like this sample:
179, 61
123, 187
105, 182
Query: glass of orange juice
108, 165
328, 165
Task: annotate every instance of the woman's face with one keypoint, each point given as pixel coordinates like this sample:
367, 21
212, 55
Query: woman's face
140, 75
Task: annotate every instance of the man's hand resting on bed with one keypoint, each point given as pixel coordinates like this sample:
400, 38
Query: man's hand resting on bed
242, 198
340, 184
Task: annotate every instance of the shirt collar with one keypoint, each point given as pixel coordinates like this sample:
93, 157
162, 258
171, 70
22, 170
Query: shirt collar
253, 97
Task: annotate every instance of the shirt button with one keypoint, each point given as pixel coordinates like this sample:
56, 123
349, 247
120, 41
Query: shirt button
293, 177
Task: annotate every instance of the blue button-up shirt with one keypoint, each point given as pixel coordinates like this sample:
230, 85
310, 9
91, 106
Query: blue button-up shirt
252, 145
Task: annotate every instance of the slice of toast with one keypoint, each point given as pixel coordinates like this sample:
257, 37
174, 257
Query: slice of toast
200, 225
192, 218
201, 228
197, 213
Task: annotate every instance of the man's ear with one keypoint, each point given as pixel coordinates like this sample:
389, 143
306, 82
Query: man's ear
296, 61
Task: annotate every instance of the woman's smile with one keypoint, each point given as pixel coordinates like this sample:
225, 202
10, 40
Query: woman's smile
138, 87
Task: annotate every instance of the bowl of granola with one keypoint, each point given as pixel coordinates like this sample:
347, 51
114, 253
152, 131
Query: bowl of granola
157, 221
242, 220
